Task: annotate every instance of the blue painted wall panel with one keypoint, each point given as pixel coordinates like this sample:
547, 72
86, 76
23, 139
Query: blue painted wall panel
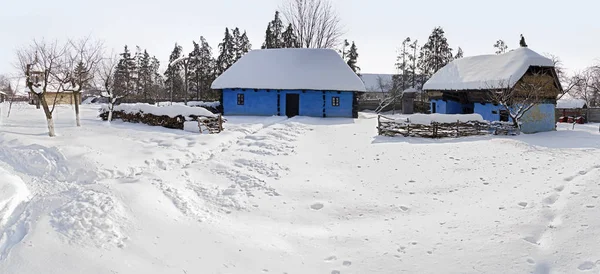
539, 118
345, 107
256, 103
440, 106
488, 111
263, 102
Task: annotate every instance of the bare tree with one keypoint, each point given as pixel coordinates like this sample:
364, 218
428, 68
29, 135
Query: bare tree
78, 68
519, 98
587, 85
106, 82
315, 22
40, 62
391, 93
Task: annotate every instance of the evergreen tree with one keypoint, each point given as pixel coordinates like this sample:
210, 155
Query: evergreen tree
353, 58
274, 33
344, 50
207, 66
156, 82
195, 71
237, 44
459, 54
124, 78
500, 46
268, 38
435, 54
145, 74
402, 64
412, 65
226, 53
244, 45
522, 43
290, 40
174, 79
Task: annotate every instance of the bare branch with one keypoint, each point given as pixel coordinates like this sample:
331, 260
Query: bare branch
315, 22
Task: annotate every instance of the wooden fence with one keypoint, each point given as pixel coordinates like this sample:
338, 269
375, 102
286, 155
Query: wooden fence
392, 127
592, 115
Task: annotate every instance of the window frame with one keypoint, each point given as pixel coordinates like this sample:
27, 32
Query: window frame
335, 101
240, 99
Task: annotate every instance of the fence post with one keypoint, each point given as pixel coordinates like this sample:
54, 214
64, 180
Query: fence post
408, 130
220, 123
378, 124
457, 130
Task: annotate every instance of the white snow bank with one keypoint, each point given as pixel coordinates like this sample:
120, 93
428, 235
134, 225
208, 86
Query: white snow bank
171, 111
13, 192
313, 69
213, 104
570, 103
426, 119
486, 71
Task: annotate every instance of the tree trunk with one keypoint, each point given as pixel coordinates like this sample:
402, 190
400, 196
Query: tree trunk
76, 96
49, 119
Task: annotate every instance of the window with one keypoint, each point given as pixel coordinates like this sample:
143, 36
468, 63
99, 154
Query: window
335, 101
240, 99
504, 115
433, 107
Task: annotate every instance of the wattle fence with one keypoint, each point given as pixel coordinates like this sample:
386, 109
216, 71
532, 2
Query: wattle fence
387, 126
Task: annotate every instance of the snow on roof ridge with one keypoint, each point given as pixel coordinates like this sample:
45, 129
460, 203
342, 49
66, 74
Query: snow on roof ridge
291, 69
485, 71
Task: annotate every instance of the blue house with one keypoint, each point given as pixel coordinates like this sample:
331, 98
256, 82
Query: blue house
291, 82
475, 84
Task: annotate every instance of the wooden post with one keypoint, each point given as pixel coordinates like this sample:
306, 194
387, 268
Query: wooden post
220, 123
408, 130
457, 130
378, 124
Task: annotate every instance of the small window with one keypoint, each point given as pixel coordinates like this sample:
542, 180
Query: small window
504, 115
240, 99
494, 112
335, 101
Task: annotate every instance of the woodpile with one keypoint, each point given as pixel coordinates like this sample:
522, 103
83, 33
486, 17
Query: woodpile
206, 124
391, 127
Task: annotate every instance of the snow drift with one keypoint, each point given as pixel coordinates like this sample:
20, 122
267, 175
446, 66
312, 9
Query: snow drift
13, 192
171, 111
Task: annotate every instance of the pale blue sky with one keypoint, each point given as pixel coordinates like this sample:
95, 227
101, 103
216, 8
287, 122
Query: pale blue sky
564, 28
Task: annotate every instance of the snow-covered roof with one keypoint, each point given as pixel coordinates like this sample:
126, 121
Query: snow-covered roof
486, 71
312, 69
2, 92
570, 103
410, 90
372, 83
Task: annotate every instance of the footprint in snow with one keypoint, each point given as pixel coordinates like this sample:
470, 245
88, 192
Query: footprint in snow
330, 259
585, 266
317, 206
347, 263
522, 204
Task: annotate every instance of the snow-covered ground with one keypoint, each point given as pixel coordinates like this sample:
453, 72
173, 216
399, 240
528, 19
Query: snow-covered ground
300, 195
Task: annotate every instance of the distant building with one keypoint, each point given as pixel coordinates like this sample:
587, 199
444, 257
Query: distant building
53, 97
464, 86
306, 82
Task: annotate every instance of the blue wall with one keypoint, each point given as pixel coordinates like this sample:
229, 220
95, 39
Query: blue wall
259, 103
539, 118
487, 111
264, 103
448, 106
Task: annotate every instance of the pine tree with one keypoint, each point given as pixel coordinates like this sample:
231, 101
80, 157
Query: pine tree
522, 43
402, 64
459, 53
237, 44
435, 54
274, 33
500, 46
145, 74
207, 65
226, 53
290, 40
156, 82
124, 78
268, 38
344, 51
412, 65
244, 44
195, 71
353, 58
174, 80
